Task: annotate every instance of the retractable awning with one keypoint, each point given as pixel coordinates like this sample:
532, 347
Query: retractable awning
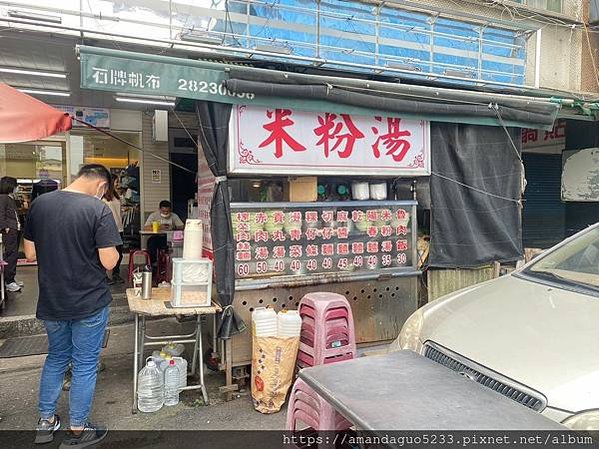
24, 118
124, 72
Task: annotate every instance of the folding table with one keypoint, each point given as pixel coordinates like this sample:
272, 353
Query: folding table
158, 306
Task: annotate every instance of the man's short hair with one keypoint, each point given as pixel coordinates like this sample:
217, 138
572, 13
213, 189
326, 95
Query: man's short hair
95, 171
165, 203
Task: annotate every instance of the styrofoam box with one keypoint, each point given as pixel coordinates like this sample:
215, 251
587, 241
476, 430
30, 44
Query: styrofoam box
191, 295
192, 271
191, 287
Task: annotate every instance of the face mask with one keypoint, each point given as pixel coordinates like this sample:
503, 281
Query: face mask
100, 192
165, 215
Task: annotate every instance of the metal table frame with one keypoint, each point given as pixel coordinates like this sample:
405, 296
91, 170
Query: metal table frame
198, 354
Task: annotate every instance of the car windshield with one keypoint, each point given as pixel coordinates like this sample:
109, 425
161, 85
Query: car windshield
577, 262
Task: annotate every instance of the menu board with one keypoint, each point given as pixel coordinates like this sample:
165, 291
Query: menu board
309, 239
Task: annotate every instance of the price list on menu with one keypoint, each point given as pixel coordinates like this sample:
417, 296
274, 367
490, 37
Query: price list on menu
318, 239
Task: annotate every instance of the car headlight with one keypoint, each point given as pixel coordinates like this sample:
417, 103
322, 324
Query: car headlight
588, 420
409, 337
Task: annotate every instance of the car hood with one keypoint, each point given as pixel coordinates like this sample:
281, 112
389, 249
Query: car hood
541, 336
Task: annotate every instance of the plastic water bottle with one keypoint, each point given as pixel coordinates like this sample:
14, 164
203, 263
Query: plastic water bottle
171, 384
180, 362
175, 350
150, 390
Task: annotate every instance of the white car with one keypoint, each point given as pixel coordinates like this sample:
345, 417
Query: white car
532, 335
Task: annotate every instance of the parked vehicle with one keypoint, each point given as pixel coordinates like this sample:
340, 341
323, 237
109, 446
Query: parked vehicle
532, 335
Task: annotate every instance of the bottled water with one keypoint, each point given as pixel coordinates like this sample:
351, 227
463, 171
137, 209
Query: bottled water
181, 363
150, 390
171, 384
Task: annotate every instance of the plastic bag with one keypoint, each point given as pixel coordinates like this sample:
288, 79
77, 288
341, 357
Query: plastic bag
273, 366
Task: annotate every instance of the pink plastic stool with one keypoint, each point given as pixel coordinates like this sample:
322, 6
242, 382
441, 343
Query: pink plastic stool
307, 406
327, 333
305, 360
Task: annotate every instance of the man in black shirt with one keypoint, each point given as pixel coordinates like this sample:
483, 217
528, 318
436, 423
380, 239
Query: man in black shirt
72, 235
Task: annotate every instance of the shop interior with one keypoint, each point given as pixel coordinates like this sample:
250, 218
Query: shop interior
43, 166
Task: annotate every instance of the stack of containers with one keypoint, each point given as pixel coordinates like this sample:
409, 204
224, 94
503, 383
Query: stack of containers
327, 334
264, 321
192, 283
268, 323
307, 407
289, 324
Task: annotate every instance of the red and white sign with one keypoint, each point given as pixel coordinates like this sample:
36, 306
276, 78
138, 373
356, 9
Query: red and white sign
536, 140
285, 141
206, 182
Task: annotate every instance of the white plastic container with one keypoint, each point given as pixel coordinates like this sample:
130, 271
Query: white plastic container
171, 384
158, 357
289, 323
264, 322
378, 191
175, 350
192, 271
150, 390
181, 365
359, 190
193, 239
192, 283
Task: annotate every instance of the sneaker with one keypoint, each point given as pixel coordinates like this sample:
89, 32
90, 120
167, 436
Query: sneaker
20, 283
44, 432
89, 436
13, 287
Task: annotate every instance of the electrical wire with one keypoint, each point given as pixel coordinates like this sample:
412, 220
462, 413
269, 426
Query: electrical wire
495, 108
591, 53
475, 189
184, 127
108, 133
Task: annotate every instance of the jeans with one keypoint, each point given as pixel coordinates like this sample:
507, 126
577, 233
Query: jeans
79, 342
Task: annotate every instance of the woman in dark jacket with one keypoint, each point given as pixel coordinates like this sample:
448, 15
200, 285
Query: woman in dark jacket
10, 227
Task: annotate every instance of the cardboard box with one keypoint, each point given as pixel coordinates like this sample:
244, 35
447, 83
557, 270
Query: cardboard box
302, 189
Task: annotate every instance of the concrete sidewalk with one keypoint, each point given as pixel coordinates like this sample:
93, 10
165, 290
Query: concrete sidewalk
19, 379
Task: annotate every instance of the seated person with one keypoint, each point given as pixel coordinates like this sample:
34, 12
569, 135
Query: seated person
169, 221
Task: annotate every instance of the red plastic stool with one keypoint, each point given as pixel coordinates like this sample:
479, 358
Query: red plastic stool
137, 258
164, 268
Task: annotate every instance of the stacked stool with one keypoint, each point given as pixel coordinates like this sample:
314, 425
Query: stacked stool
327, 336
309, 408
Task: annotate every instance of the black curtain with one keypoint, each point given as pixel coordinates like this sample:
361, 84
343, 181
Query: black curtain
213, 137
476, 187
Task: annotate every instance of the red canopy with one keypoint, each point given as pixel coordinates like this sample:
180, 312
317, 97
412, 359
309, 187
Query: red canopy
24, 118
